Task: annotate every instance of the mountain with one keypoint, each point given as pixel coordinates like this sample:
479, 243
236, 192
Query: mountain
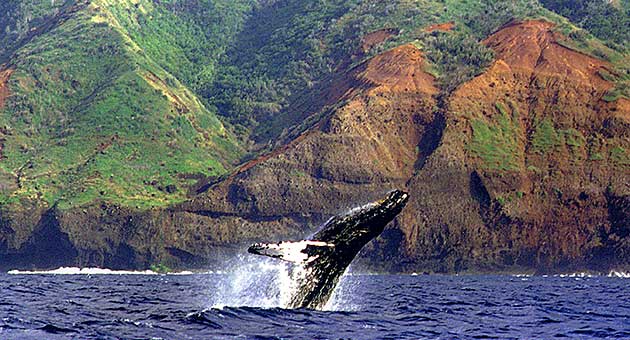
138, 132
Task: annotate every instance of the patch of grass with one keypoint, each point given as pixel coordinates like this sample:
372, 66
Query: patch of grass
620, 156
298, 173
160, 268
621, 90
501, 200
545, 137
495, 142
533, 169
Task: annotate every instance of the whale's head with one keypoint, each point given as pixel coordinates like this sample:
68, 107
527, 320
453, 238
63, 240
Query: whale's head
360, 225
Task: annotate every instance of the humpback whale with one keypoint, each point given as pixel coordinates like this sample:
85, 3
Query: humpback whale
324, 257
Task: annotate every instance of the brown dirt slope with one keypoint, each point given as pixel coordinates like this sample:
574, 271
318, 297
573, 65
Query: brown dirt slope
4, 89
531, 153
376, 38
444, 27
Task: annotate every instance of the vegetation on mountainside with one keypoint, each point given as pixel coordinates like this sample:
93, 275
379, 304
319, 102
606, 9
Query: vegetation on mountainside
495, 141
456, 58
115, 100
289, 47
91, 116
607, 20
21, 19
185, 38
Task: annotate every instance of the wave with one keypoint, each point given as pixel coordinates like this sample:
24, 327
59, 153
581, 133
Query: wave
612, 273
90, 271
578, 275
623, 275
522, 275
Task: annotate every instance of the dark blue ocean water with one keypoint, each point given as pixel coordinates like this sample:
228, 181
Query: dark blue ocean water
366, 307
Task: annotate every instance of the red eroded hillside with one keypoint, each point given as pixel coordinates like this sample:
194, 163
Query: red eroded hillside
529, 151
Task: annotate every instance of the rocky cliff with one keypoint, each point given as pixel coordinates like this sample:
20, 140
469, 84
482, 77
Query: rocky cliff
526, 166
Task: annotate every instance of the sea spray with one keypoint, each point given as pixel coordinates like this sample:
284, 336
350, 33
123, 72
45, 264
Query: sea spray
343, 298
256, 282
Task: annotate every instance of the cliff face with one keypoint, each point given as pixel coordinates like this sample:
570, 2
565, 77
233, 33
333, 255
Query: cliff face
523, 167
528, 170
351, 155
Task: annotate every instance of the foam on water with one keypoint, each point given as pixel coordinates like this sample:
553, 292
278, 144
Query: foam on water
623, 275
89, 271
81, 271
580, 275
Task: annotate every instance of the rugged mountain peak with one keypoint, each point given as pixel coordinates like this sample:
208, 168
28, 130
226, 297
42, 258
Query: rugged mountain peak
533, 46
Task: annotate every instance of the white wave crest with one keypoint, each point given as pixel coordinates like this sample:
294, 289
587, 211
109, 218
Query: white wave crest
623, 275
89, 271
522, 275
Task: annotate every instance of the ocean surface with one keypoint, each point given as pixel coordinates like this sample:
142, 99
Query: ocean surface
246, 303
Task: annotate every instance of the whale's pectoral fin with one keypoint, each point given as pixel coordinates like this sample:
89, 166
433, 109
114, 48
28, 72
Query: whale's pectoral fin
296, 252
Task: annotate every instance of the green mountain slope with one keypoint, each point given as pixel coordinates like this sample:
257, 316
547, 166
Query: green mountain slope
289, 48
95, 84
93, 113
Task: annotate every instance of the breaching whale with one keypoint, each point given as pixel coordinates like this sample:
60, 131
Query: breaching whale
324, 257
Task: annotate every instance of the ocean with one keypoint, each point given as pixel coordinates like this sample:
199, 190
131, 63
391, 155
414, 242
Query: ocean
246, 303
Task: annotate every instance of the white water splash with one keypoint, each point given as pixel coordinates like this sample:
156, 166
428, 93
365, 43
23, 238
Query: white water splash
576, 275
83, 271
343, 298
256, 282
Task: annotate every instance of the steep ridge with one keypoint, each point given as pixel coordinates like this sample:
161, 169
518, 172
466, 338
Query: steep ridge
92, 117
360, 150
528, 153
